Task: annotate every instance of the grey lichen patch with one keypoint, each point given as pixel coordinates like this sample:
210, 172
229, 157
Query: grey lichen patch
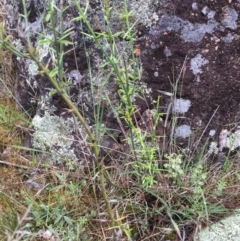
75, 76
64, 154
233, 141
196, 64
225, 230
230, 17
212, 132
181, 105
45, 105
44, 49
190, 32
183, 131
142, 11
228, 38
227, 139
50, 130
194, 6
54, 133
167, 52
32, 67
213, 148
19, 46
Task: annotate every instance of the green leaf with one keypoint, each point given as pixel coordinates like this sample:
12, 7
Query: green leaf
59, 217
52, 92
53, 72
66, 34
67, 83
45, 41
65, 42
116, 34
68, 220
68, 31
79, 18
48, 16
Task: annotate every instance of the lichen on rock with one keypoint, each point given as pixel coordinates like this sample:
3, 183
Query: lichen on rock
54, 134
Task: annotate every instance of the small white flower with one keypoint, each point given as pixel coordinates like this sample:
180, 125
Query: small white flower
47, 234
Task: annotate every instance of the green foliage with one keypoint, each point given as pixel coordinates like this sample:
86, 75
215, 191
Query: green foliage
198, 176
9, 116
8, 218
174, 167
58, 214
220, 187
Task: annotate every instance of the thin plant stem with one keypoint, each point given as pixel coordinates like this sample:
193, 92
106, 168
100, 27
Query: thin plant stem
45, 71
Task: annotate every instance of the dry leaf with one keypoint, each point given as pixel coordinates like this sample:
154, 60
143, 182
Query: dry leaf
137, 50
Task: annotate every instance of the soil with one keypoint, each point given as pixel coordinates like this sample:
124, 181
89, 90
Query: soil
219, 86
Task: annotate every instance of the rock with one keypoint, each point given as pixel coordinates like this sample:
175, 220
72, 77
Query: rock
227, 229
204, 63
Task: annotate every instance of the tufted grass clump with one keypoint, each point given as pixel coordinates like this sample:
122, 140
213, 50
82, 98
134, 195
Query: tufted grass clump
146, 188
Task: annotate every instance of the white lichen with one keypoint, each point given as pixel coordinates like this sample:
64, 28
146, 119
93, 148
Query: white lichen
32, 68
205, 10
212, 132
213, 148
54, 134
143, 12
75, 76
233, 141
196, 64
223, 138
50, 130
17, 43
194, 6
183, 131
45, 104
181, 105
44, 49
230, 17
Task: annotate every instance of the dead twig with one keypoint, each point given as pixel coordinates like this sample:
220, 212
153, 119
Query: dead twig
71, 174
14, 165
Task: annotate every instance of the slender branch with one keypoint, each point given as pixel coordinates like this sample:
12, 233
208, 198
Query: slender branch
14, 165
67, 100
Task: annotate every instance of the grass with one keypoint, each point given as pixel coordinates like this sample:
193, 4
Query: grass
147, 189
